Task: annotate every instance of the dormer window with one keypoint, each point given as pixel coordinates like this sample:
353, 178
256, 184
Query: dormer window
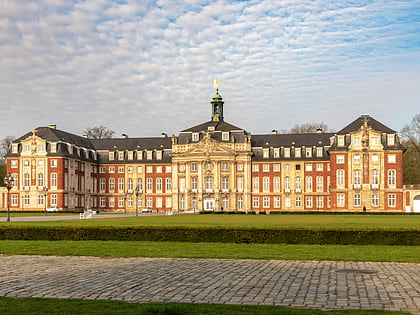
53, 148
111, 156
195, 136
356, 141
14, 148
308, 152
391, 140
297, 153
149, 155
286, 152
158, 155
210, 128
130, 155
375, 140
266, 153
120, 156
276, 153
139, 155
225, 136
341, 141
319, 152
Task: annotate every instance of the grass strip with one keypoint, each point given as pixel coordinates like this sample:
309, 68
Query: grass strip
213, 250
38, 306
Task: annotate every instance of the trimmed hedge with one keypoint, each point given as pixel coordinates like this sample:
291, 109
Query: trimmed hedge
220, 235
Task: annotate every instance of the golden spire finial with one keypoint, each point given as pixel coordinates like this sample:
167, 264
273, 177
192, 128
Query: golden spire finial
216, 85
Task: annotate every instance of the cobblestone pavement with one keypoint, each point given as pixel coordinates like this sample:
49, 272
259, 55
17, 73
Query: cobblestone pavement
323, 285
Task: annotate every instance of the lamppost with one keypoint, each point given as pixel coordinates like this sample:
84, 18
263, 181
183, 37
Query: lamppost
45, 193
9, 182
137, 200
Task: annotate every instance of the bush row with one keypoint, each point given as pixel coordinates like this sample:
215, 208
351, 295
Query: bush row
221, 235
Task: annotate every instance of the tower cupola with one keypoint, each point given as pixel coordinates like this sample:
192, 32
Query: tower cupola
217, 104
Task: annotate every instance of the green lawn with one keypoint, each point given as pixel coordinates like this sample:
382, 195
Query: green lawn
212, 250
343, 221
35, 306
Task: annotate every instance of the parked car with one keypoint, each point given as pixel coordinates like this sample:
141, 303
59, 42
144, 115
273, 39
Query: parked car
52, 209
146, 209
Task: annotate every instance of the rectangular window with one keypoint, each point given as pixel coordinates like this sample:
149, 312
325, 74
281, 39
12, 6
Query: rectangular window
102, 170
298, 202
111, 184
256, 202
130, 169
193, 166
276, 167
391, 140
120, 184
266, 184
375, 200
319, 152
391, 177
392, 200
392, 158
297, 152
276, 202
287, 202
158, 169
319, 202
111, 156
53, 200
266, 153
356, 158
287, 152
308, 180
149, 184
276, 153
225, 136
375, 158
111, 202
266, 202
53, 179
266, 167
240, 167
308, 152
102, 201
225, 166
277, 184
319, 183
111, 169
308, 167
240, 183
341, 141
255, 168
340, 200
168, 169
308, 202
182, 184
168, 184
158, 155
149, 169
120, 156
240, 203
159, 184
139, 169
149, 155
14, 200
168, 202
158, 202
255, 184
357, 200
195, 136
102, 183
149, 201
340, 159
121, 202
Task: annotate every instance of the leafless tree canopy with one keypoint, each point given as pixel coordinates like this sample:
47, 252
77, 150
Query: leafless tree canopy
309, 127
5, 144
411, 140
99, 132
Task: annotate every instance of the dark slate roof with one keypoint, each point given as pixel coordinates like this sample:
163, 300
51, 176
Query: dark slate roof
358, 123
56, 135
218, 126
132, 144
289, 140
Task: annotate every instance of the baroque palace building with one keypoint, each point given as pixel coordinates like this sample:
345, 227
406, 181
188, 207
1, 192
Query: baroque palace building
214, 166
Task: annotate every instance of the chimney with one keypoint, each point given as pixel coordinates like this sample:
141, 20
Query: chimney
274, 132
319, 130
52, 126
124, 136
163, 135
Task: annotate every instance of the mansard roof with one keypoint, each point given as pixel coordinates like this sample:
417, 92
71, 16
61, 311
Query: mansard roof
132, 144
56, 135
289, 140
358, 123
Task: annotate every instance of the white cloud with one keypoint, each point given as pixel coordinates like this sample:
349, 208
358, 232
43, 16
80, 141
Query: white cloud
143, 67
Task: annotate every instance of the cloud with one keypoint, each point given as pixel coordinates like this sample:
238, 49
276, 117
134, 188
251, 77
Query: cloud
143, 67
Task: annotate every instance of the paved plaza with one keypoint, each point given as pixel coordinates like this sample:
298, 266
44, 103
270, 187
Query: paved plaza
323, 285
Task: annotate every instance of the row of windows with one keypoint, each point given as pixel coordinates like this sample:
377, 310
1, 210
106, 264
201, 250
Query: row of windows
26, 199
373, 141
139, 169
392, 177
357, 201
131, 155
131, 202
138, 184
295, 152
391, 158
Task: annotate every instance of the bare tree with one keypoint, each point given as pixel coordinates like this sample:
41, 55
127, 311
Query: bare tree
411, 140
309, 127
5, 145
99, 132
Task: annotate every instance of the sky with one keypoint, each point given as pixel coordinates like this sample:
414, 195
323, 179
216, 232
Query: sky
145, 67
